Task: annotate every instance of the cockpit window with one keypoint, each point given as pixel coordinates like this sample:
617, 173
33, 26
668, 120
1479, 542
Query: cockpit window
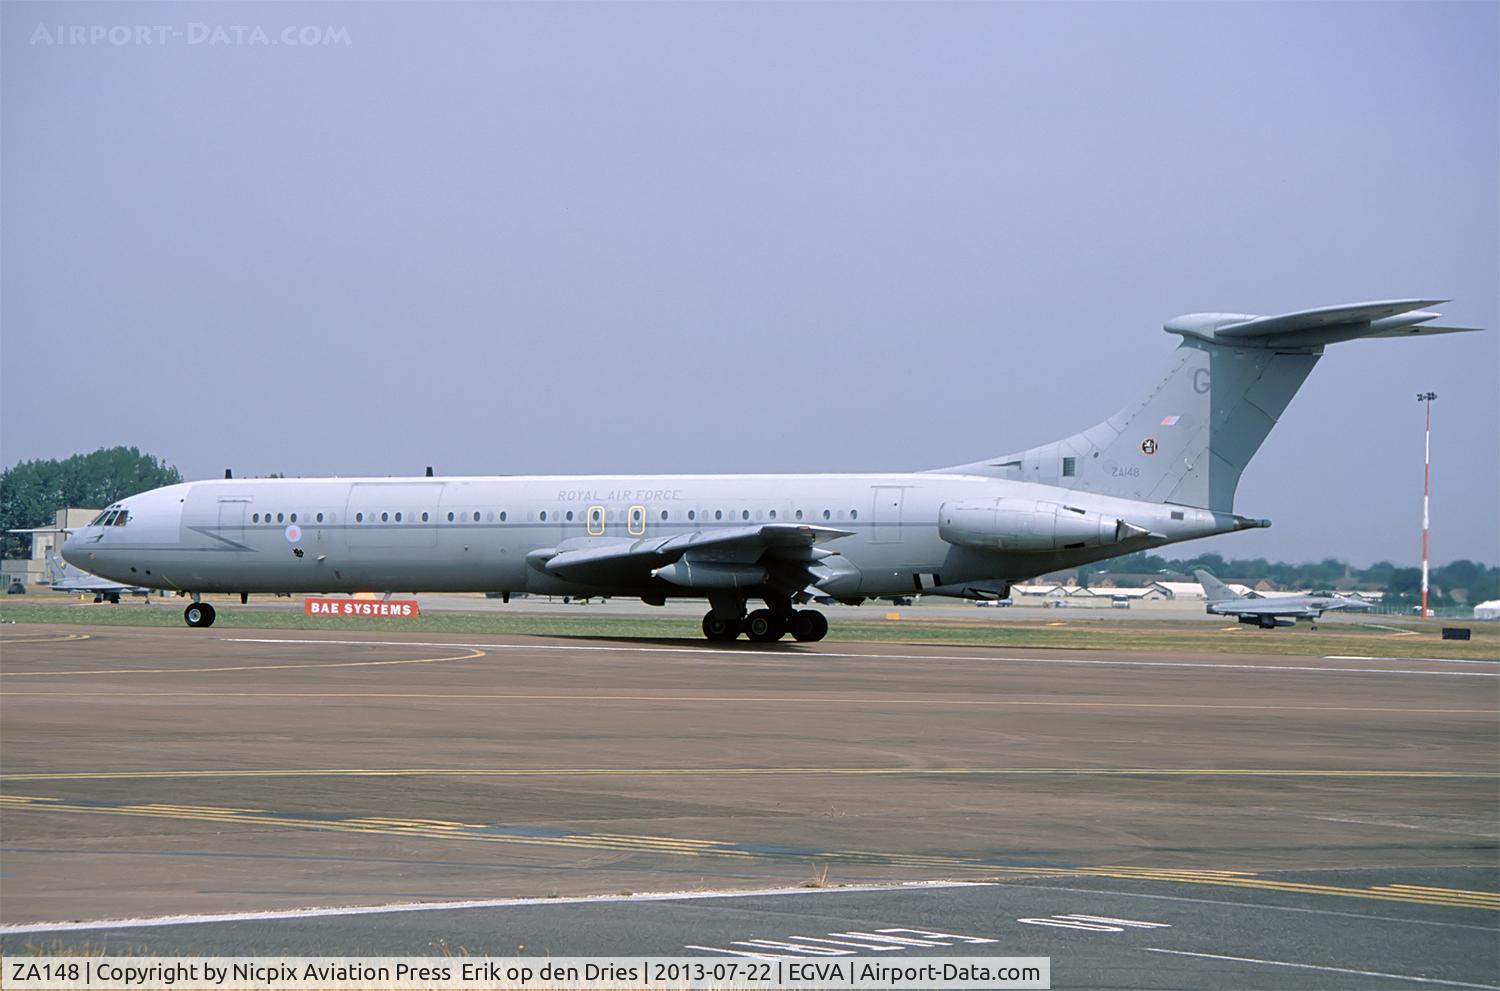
99, 520
121, 518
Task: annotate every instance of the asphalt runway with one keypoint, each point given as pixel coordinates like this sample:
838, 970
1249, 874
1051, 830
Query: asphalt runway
1244, 821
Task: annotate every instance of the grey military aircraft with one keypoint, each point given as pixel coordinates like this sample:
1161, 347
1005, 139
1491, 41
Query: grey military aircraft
1161, 470
63, 577
1269, 613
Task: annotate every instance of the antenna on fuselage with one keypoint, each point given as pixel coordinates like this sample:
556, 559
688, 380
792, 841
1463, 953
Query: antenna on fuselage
228, 472
429, 471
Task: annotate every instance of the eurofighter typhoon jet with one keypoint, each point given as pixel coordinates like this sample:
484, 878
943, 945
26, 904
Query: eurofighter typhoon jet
1162, 470
1283, 610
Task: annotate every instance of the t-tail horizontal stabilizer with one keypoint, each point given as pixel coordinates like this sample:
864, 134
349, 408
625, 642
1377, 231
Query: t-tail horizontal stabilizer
1187, 440
1315, 328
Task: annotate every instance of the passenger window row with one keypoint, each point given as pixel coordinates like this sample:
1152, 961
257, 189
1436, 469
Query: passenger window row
118, 517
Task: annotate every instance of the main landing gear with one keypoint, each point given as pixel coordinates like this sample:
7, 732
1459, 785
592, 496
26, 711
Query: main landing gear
765, 625
199, 614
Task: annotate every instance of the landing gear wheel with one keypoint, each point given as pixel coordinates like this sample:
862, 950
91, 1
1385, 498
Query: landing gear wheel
719, 629
765, 626
199, 614
808, 625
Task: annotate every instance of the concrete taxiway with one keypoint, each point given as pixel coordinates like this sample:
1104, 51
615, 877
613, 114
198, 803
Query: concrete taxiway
1256, 821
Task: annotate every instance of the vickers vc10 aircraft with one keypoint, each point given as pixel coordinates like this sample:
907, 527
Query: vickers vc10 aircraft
1269, 613
1163, 469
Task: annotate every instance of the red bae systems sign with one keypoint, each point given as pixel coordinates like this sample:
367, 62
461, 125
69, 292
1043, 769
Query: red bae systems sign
392, 608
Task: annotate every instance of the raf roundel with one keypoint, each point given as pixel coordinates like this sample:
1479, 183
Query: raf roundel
1148, 446
293, 533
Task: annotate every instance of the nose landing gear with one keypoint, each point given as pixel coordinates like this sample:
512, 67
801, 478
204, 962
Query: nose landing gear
199, 614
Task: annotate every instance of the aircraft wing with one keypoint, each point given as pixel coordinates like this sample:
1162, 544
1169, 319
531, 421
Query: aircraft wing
783, 554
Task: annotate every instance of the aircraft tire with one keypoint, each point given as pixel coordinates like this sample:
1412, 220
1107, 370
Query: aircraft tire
765, 626
720, 630
809, 625
199, 614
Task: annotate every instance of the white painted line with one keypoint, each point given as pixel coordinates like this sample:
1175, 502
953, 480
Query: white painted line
937, 935
1066, 923
720, 951
1434, 660
897, 940
1331, 970
779, 944
845, 942
1109, 920
1116, 893
295, 914
814, 655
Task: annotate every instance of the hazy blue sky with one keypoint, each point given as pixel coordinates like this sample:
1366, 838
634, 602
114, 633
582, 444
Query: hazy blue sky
747, 237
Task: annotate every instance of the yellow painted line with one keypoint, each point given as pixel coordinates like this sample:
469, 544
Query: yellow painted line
747, 699
471, 655
1294, 887
1446, 892
51, 638
521, 772
1477, 898
1423, 887
662, 845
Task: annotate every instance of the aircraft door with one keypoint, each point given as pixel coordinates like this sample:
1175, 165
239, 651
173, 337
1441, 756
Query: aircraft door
231, 523
885, 518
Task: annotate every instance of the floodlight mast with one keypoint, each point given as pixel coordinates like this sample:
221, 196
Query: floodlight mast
1426, 399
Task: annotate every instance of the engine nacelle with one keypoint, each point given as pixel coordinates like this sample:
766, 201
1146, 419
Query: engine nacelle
1029, 525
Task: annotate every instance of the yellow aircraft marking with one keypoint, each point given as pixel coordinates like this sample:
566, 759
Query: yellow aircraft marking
1456, 898
746, 699
522, 772
48, 638
471, 655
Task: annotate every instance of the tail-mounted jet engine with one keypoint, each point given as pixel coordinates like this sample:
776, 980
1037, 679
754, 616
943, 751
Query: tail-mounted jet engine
1030, 525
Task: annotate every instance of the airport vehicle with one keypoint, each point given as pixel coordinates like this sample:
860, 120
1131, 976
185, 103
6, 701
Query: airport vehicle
1163, 469
1269, 613
64, 577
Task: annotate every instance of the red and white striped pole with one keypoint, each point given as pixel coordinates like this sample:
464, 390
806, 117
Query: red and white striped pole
1426, 398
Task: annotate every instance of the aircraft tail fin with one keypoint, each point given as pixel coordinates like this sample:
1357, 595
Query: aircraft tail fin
1188, 439
56, 570
1213, 589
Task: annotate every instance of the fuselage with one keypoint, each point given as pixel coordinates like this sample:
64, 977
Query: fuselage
1295, 606
456, 534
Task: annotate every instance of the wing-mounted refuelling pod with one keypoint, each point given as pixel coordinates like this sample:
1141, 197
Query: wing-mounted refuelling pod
1031, 525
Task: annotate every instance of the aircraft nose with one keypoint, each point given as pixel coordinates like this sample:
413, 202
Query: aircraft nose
72, 549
